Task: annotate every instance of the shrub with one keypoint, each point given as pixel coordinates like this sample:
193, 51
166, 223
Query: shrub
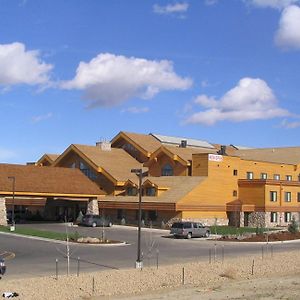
293, 226
259, 230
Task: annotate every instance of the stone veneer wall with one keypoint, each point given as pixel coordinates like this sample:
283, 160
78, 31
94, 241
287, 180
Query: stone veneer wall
280, 219
92, 207
3, 218
257, 219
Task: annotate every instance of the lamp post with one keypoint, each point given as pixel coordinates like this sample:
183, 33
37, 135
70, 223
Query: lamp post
12, 227
139, 262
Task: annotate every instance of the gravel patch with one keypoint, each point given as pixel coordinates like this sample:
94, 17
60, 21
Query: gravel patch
128, 282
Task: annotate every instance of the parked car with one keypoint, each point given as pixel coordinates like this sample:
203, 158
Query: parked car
189, 230
96, 220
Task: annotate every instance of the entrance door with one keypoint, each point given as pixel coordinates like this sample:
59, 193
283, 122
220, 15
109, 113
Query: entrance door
246, 219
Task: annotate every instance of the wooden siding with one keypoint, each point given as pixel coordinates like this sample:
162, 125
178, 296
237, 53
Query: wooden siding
135, 205
26, 202
218, 189
155, 168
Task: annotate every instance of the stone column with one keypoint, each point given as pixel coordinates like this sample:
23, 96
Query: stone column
242, 219
92, 207
3, 219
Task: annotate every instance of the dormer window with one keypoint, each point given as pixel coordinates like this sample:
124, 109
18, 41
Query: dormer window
132, 191
150, 191
167, 170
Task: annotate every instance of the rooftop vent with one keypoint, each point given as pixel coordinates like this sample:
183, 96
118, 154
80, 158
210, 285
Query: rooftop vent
222, 151
104, 145
183, 143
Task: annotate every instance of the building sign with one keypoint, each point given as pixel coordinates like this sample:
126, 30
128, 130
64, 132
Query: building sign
215, 157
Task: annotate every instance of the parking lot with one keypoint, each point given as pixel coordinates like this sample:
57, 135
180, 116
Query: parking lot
34, 257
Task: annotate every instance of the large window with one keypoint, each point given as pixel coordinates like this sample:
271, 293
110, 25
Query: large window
87, 171
276, 176
152, 214
273, 196
287, 196
249, 175
167, 170
120, 214
273, 217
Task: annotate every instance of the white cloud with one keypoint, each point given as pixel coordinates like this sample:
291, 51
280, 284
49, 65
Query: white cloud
109, 80
20, 66
290, 125
135, 110
176, 8
288, 33
251, 99
277, 4
37, 119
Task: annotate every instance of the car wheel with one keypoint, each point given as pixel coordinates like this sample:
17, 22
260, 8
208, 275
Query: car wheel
189, 235
109, 224
94, 224
207, 234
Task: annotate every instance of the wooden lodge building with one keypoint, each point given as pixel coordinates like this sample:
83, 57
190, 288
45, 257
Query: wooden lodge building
184, 179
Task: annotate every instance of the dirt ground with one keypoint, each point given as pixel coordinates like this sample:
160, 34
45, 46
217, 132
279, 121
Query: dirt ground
274, 277
283, 287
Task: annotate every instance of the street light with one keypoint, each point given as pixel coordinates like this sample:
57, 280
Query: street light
13, 178
139, 262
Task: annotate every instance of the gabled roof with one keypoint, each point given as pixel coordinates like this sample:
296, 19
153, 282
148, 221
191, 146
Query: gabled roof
178, 187
144, 142
116, 163
47, 157
46, 181
184, 155
284, 155
172, 140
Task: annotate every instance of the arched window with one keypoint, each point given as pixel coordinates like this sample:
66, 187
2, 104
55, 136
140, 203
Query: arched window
167, 170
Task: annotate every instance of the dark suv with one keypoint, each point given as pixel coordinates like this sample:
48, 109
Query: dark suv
189, 230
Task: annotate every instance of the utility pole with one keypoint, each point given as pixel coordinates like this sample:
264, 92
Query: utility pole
13, 178
139, 261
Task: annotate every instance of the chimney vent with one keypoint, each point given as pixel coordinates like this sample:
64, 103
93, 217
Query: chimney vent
222, 151
104, 145
183, 144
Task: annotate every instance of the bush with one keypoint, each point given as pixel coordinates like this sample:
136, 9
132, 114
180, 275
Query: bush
259, 230
293, 226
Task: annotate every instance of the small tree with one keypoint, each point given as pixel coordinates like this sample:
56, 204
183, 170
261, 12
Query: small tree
293, 226
79, 218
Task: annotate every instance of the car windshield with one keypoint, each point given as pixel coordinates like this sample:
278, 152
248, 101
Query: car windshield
177, 225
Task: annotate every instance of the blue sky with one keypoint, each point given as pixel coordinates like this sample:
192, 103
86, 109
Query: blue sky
225, 71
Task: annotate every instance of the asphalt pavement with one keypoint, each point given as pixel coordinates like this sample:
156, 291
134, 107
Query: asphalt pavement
34, 257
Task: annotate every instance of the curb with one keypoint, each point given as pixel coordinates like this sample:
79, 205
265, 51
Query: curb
258, 243
143, 228
61, 242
